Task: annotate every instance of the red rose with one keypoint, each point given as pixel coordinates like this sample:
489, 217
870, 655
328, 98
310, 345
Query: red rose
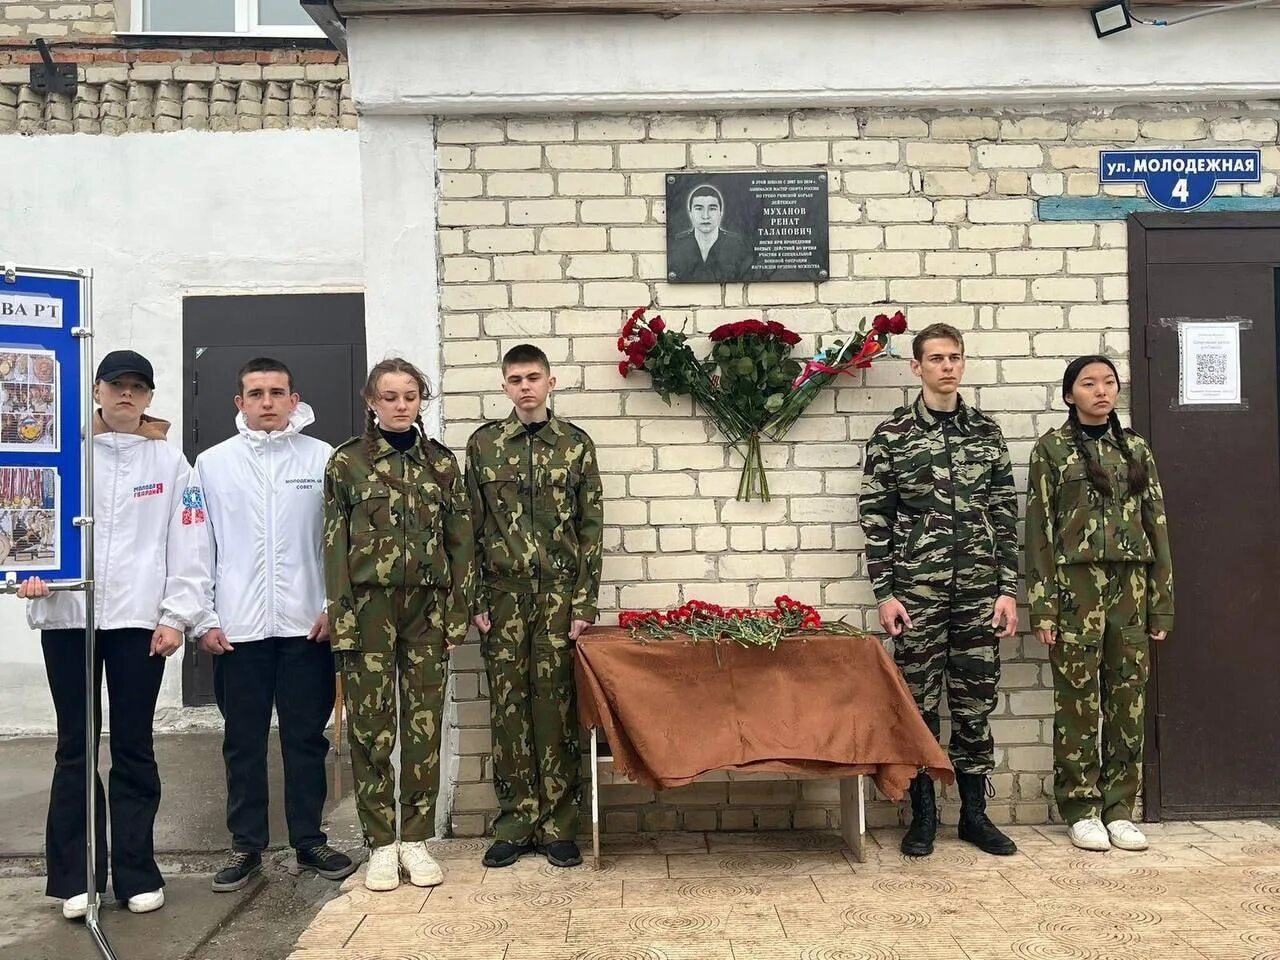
647, 339
622, 344
790, 338
722, 332
624, 368
636, 357
775, 328
881, 324
898, 323
657, 325
636, 314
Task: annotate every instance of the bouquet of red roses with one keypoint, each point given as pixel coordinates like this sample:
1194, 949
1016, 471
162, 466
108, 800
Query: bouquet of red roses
841, 356
701, 621
741, 385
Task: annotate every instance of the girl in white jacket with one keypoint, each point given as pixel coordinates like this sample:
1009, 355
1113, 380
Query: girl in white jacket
149, 549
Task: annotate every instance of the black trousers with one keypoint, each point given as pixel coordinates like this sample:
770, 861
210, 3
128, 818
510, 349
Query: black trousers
133, 684
296, 676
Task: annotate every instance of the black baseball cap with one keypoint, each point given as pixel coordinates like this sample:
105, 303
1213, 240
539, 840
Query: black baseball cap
119, 362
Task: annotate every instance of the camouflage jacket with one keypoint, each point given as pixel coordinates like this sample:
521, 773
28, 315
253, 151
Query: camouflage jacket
1069, 521
938, 505
539, 512
396, 520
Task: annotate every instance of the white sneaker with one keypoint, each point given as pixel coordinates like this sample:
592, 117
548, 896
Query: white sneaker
146, 902
420, 865
74, 908
383, 872
1126, 836
1089, 834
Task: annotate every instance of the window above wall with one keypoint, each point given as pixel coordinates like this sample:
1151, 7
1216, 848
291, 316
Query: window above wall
221, 18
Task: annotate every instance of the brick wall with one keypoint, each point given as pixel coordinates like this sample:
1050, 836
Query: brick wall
56, 19
147, 88
552, 229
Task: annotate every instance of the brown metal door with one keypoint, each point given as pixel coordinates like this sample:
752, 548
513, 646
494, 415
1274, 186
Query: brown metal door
1213, 743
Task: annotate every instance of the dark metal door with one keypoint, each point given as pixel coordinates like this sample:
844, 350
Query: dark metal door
1214, 746
322, 340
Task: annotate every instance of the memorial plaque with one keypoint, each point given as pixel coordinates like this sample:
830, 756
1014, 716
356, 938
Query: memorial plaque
757, 227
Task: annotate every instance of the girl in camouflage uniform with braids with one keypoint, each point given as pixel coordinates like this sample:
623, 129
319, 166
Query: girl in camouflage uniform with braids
1100, 586
398, 566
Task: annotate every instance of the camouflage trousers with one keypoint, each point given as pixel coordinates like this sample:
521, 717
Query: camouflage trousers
537, 754
952, 642
402, 652
1100, 664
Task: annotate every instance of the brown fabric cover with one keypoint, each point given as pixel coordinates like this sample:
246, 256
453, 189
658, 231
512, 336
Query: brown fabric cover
820, 705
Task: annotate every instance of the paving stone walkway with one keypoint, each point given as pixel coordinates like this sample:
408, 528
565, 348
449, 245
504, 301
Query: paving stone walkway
1204, 891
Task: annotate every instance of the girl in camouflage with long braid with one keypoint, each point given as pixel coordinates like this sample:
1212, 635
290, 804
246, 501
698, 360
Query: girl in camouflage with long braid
399, 557
1100, 586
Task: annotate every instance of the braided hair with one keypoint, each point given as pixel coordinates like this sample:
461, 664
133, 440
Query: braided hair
370, 393
1137, 469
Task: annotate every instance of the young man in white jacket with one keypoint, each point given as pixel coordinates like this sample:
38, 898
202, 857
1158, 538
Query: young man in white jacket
263, 497
149, 556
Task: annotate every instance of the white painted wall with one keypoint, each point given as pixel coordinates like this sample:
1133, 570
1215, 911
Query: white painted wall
158, 217
477, 65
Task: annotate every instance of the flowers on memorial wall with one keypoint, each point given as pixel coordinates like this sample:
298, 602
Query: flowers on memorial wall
749, 385
749, 627
840, 356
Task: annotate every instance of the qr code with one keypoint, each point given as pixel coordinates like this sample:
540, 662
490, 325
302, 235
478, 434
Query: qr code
1211, 368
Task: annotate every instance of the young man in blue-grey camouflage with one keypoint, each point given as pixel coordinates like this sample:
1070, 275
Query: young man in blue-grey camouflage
939, 511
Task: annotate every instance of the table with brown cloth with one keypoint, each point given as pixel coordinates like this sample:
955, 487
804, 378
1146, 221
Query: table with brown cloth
819, 705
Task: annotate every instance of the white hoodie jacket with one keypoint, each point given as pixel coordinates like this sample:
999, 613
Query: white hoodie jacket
149, 543
264, 493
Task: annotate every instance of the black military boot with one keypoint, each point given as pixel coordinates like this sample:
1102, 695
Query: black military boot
918, 840
975, 826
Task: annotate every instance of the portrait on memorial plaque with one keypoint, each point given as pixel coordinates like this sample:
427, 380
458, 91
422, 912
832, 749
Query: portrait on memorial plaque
706, 250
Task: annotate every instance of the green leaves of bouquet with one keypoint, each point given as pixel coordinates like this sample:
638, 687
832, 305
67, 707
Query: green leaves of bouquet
753, 359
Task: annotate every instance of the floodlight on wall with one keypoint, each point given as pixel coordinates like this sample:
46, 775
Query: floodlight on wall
1109, 18
1114, 16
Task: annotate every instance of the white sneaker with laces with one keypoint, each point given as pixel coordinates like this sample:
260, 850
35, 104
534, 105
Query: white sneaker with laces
1089, 834
73, 908
420, 865
146, 902
383, 872
1126, 836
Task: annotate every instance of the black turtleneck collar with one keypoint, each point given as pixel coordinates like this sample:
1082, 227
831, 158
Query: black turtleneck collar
401, 440
1095, 431
533, 428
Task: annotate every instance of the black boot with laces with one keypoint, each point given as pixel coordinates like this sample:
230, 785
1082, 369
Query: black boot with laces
975, 826
918, 840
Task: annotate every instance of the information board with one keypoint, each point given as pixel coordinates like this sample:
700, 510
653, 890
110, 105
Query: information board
42, 410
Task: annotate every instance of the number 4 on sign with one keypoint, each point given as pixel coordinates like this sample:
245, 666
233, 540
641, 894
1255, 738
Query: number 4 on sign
1180, 190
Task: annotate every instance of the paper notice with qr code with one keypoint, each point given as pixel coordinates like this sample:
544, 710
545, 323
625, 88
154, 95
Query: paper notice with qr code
1209, 362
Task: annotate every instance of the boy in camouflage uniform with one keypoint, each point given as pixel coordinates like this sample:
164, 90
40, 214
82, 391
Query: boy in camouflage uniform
939, 511
1100, 583
538, 509
399, 562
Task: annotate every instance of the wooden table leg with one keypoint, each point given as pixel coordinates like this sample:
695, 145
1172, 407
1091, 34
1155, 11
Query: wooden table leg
337, 715
853, 816
595, 800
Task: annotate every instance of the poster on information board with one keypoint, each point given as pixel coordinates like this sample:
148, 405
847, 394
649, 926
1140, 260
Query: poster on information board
42, 407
